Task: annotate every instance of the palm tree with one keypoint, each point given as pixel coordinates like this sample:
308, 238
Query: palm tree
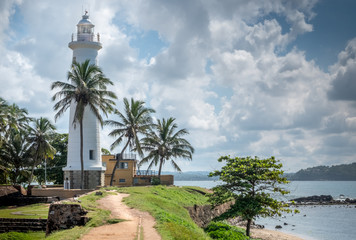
39, 137
134, 121
88, 90
15, 156
12, 117
164, 144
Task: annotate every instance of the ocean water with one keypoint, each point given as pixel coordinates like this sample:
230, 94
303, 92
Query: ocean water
336, 222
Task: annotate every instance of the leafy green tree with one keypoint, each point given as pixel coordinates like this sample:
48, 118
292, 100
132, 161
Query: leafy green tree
250, 182
39, 137
164, 144
135, 120
88, 91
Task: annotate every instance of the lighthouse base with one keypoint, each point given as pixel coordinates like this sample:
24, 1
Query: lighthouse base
92, 179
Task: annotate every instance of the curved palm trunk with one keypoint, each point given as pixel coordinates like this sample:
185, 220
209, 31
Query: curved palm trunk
81, 155
117, 162
160, 169
31, 176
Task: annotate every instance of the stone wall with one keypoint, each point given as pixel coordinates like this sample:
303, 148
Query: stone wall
202, 215
25, 200
59, 192
65, 216
22, 225
92, 179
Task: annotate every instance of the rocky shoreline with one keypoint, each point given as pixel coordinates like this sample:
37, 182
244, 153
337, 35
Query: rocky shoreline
322, 200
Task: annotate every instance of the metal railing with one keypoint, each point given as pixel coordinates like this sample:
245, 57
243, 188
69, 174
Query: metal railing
146, 173
82, 37
126, 156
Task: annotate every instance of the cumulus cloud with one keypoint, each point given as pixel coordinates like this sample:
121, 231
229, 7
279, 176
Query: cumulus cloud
220, 72
344, 74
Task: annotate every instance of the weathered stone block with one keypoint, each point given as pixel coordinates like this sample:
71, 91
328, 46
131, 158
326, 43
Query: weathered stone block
65, 216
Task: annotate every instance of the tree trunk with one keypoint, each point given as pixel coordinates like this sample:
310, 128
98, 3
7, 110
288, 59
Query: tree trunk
160, 169
117, 162
31, 176
248, 227
81, 155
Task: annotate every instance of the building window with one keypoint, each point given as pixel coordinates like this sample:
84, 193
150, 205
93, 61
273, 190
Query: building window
124, 165
122, 180
91, 154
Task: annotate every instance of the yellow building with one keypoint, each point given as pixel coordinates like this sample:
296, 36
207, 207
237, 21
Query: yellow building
127, 174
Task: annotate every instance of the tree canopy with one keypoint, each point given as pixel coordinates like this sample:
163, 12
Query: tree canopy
88, 91
165, 143
134, 121
250, 182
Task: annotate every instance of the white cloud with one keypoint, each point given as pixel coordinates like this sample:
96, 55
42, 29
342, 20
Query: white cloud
226, 72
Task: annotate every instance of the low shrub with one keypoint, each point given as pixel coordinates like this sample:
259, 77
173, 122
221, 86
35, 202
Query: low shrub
155, 181
223, 231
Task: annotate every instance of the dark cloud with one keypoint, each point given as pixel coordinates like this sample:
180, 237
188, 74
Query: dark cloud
343, 86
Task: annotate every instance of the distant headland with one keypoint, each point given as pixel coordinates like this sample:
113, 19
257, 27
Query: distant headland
342, 172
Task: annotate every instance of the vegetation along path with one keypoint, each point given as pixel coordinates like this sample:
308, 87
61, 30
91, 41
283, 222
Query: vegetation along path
137, 224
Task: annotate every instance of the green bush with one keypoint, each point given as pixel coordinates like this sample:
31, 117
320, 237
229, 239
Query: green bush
223, 231
155, 181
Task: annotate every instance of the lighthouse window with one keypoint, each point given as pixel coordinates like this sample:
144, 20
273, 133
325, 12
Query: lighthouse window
91, 154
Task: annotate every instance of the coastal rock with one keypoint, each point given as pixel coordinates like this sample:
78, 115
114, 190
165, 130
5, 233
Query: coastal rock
314, 199
239, 222
349, 200
278, 227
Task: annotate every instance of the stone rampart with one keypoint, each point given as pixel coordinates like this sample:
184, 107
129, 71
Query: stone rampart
202, 215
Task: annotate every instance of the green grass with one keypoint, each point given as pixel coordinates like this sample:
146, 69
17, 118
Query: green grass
166, 205
97, 217
22, 236
36, 211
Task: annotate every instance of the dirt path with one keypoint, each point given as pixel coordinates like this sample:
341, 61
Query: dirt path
138, 223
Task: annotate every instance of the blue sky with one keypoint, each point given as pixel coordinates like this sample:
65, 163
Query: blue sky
244, 77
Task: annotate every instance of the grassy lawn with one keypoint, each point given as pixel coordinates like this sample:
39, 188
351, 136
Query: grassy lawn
166, 205
31, 211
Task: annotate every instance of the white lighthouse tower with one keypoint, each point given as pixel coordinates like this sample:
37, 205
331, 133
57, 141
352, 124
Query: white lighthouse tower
85, 45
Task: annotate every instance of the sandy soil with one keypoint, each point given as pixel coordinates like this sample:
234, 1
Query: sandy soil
267, 234
138, 223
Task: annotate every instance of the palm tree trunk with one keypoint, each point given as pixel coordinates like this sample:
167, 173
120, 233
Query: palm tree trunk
117, 162
160, 169
81, 155
31, 176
